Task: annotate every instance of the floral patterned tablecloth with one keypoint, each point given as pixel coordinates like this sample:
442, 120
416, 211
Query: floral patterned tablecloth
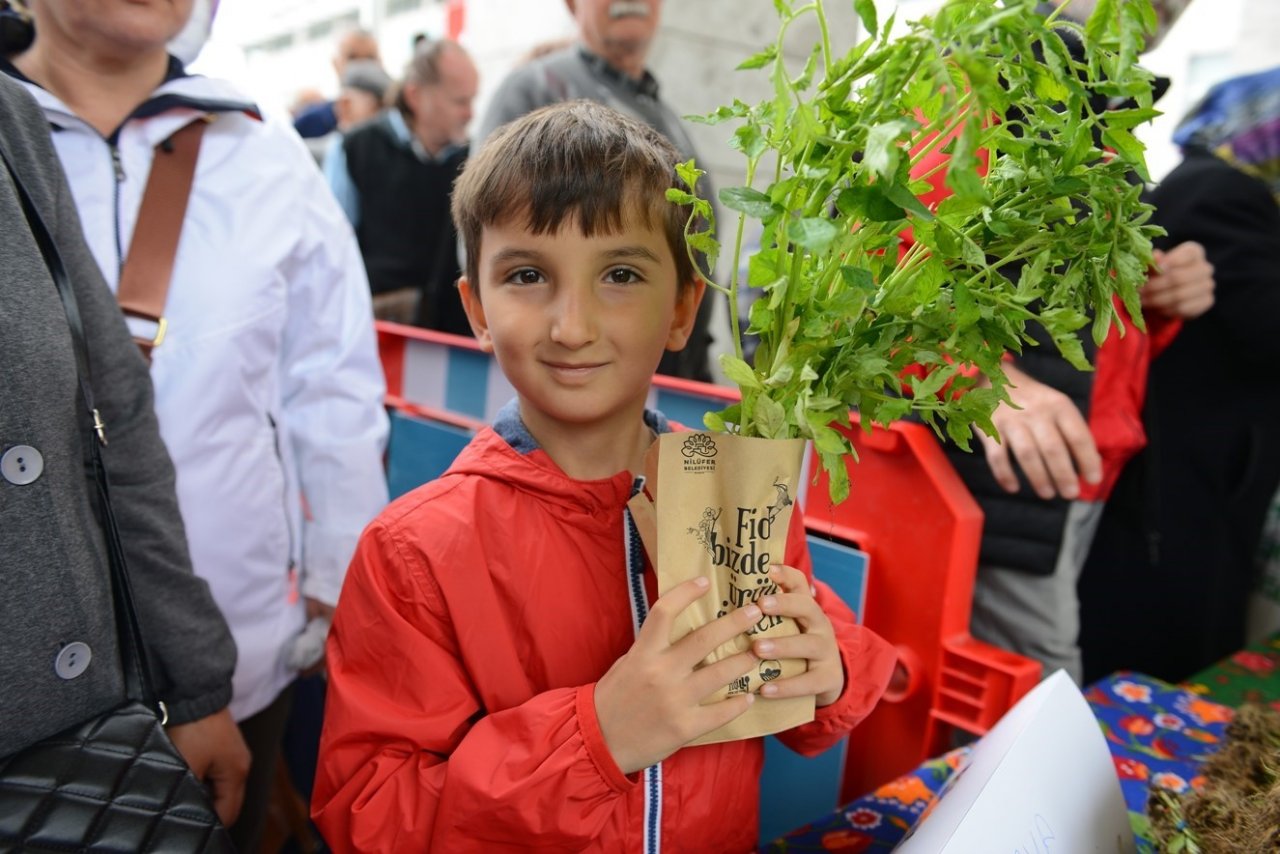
1159, 734
1251, 675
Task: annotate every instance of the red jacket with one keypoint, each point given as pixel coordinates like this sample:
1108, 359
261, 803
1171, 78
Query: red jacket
477, 615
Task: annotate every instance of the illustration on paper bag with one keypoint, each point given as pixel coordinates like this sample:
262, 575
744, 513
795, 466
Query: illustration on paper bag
724, 508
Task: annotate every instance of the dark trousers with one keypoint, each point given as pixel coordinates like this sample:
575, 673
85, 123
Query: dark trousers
262, 733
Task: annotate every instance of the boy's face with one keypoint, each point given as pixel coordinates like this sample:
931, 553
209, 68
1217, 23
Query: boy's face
578, 323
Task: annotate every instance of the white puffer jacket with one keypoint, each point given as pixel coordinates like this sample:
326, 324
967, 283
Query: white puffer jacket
268, 387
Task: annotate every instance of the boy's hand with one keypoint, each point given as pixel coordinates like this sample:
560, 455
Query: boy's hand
816, 642
649, 704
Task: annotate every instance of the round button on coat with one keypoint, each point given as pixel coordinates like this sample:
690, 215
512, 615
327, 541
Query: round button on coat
21, 465
73, 659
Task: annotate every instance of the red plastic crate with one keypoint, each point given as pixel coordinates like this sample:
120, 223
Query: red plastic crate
916, 519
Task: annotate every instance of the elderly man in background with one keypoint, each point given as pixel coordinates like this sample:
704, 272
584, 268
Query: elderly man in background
393, 177
607, 65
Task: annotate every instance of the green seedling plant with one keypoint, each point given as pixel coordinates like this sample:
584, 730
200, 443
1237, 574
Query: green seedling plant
1047, 233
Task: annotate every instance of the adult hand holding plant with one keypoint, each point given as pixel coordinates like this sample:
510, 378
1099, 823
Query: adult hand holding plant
1047, 235
1045, 432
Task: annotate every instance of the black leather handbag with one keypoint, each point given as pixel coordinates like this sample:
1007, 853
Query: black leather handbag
115, 782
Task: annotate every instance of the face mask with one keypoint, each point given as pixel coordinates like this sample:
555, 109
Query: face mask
187, 44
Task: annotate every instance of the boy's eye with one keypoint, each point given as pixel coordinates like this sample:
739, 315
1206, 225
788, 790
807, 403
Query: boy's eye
525, 276
622, 276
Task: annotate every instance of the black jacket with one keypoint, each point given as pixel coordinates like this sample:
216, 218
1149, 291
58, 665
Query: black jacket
1166, 585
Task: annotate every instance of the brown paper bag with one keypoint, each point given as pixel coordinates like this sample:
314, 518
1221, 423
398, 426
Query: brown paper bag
721, 509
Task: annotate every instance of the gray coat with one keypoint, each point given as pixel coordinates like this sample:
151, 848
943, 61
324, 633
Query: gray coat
574, 72
54, 576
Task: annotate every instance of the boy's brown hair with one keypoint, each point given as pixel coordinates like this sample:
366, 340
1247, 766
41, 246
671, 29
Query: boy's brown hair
573, 160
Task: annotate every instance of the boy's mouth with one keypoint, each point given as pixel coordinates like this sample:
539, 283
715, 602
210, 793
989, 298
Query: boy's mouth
574, 369
628, 9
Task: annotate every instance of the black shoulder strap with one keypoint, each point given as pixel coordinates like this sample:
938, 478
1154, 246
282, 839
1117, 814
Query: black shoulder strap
132, 654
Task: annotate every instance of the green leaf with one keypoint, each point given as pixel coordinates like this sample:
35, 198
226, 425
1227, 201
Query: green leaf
762, 269
748, 201
770, 419
813, 233
689, 173
948, 241
1128, 146
826, 440
866, 10
962, 171
836, 470
967, 312
883, 147
1100, 21
761, 316
749, 140
971, 252
1130, 118
739, 372
802, 82
780, 377
721, 114
933, 381
892, 410
759, 60
904, 198
1073, 351
858, 277
867, 203
703, 242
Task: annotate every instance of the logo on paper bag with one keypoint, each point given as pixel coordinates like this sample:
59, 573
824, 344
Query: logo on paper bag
699, 452
770, 670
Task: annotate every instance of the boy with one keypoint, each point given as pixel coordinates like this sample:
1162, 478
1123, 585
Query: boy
492, 683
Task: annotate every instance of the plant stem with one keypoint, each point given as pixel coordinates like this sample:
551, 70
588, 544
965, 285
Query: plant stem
826, 38
732, 295
940, 134
914, 257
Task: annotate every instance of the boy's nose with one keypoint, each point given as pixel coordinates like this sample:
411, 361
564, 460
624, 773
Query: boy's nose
574, 321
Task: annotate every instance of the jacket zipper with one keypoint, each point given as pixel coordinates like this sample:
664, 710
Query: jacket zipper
117, 168
284, 478
639, 610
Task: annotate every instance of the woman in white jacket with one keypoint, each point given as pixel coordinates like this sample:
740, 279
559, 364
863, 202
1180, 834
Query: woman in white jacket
268, 388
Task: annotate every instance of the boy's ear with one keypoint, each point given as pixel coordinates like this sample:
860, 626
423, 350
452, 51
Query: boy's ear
687, 302
475, 315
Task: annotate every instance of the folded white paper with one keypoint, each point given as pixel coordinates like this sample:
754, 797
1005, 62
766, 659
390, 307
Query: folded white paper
1041, 782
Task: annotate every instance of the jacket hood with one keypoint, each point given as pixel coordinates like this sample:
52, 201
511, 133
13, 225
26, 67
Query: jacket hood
507, 452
